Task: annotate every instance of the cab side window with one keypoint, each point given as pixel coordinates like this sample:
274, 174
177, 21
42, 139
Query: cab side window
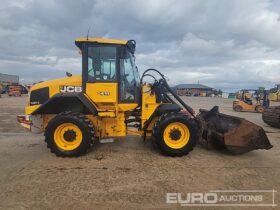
101, 64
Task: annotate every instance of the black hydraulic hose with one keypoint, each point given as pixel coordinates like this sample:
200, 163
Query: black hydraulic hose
165, 84
144, 73
149, 75
169, 99
187, 107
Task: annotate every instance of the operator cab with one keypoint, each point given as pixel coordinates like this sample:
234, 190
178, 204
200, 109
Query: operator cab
112, 63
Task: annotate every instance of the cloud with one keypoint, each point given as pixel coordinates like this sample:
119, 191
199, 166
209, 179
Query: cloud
223, 44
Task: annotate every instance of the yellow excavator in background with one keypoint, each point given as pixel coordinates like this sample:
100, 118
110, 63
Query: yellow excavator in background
274, 94
110, 100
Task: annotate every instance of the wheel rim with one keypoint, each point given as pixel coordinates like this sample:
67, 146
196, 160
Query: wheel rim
176, 135
68, 136
260, 109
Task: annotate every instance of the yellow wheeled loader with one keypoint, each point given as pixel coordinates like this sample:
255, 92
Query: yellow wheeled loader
274, 94
110, 100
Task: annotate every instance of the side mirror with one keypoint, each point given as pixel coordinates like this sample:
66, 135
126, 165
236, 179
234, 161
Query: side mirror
68, 74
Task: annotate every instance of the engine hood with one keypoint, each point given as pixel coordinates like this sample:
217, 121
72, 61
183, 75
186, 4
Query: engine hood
56, 84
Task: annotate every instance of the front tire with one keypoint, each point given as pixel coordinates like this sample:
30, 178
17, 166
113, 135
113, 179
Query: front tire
69, 134
175, 134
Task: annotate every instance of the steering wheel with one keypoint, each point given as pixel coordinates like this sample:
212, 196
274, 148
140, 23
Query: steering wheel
107, 76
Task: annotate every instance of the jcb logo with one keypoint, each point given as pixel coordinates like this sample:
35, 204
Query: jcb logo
71, 89
103, 93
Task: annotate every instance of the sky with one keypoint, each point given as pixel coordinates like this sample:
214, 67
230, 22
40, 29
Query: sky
226, 45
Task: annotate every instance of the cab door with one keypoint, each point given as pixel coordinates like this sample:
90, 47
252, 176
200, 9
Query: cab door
100, 75
129, 82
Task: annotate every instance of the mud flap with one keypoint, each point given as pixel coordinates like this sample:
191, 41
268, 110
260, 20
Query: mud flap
234, 134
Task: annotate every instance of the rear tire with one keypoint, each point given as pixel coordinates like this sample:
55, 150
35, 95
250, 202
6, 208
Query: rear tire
271, 116
175, 134
259, 109
69, 134
238, 108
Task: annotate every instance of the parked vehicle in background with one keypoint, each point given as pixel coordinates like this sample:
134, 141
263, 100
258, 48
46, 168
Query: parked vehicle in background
14, 90
274, 94
248, 104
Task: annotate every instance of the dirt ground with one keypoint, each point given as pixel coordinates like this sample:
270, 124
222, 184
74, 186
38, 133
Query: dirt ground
125, 174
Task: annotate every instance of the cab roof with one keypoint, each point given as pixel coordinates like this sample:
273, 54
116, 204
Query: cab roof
131, 44
101, 40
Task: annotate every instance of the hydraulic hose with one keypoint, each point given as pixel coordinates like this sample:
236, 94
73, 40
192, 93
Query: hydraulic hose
167, 87
187, 107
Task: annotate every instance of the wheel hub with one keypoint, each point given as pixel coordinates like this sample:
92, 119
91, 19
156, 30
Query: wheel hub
70, 135
175, 134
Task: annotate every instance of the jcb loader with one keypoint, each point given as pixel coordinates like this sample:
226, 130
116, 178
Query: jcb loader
110, 99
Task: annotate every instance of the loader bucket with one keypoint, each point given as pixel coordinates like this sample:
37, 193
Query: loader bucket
234, 134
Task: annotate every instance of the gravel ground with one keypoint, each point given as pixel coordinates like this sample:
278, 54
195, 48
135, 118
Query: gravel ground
126, 174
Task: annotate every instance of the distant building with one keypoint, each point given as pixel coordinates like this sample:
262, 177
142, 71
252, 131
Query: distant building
8, 79
225, 95
193, 90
